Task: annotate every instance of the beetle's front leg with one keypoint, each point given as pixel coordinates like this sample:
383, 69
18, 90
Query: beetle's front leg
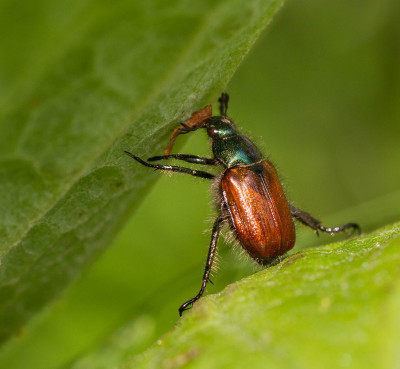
315, 224
207, 270
194, 159
173, 168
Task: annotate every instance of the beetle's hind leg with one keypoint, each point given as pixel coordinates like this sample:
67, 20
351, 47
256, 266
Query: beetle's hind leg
207, 270
315, 224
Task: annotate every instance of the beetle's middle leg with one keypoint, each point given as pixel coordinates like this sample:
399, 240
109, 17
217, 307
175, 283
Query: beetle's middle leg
207, 270
315, 224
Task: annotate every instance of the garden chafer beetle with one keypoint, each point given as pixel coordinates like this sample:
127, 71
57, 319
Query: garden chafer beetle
250, 198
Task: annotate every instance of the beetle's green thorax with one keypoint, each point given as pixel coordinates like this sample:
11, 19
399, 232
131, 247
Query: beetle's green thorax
228, 145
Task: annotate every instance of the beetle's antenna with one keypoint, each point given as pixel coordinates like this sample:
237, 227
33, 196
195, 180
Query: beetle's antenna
223, 104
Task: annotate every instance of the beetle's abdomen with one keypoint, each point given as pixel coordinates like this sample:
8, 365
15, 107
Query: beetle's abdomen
259, 210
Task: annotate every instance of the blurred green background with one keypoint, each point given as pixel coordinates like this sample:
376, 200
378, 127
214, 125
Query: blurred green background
320, 94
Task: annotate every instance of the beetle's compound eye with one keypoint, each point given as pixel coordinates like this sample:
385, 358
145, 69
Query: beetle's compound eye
212, 131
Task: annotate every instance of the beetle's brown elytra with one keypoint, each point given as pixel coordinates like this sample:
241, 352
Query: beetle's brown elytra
258, 210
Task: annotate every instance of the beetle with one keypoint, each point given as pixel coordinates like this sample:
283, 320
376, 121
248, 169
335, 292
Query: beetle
250, 197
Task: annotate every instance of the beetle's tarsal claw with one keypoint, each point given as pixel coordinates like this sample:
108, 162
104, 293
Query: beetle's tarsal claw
186, 306
183, 131
354, 227
185, 125
186, 129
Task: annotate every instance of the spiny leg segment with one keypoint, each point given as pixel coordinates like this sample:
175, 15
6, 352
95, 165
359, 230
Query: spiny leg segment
207, 270
194, 159
315, 224
173, 168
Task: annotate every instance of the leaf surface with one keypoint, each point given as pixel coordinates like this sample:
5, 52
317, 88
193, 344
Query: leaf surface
80, 83
334, 306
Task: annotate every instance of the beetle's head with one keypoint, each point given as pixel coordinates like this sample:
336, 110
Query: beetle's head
217, 127
220, 127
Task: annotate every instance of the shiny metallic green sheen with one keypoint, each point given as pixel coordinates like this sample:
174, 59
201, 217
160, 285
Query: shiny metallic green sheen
228, 145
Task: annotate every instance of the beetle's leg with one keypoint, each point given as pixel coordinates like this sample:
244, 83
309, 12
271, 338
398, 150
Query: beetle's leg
207, 270
188, 158
173, 168
223, 104
315, 224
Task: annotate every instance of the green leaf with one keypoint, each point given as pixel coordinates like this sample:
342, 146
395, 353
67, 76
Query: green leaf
333, 306
80, 83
